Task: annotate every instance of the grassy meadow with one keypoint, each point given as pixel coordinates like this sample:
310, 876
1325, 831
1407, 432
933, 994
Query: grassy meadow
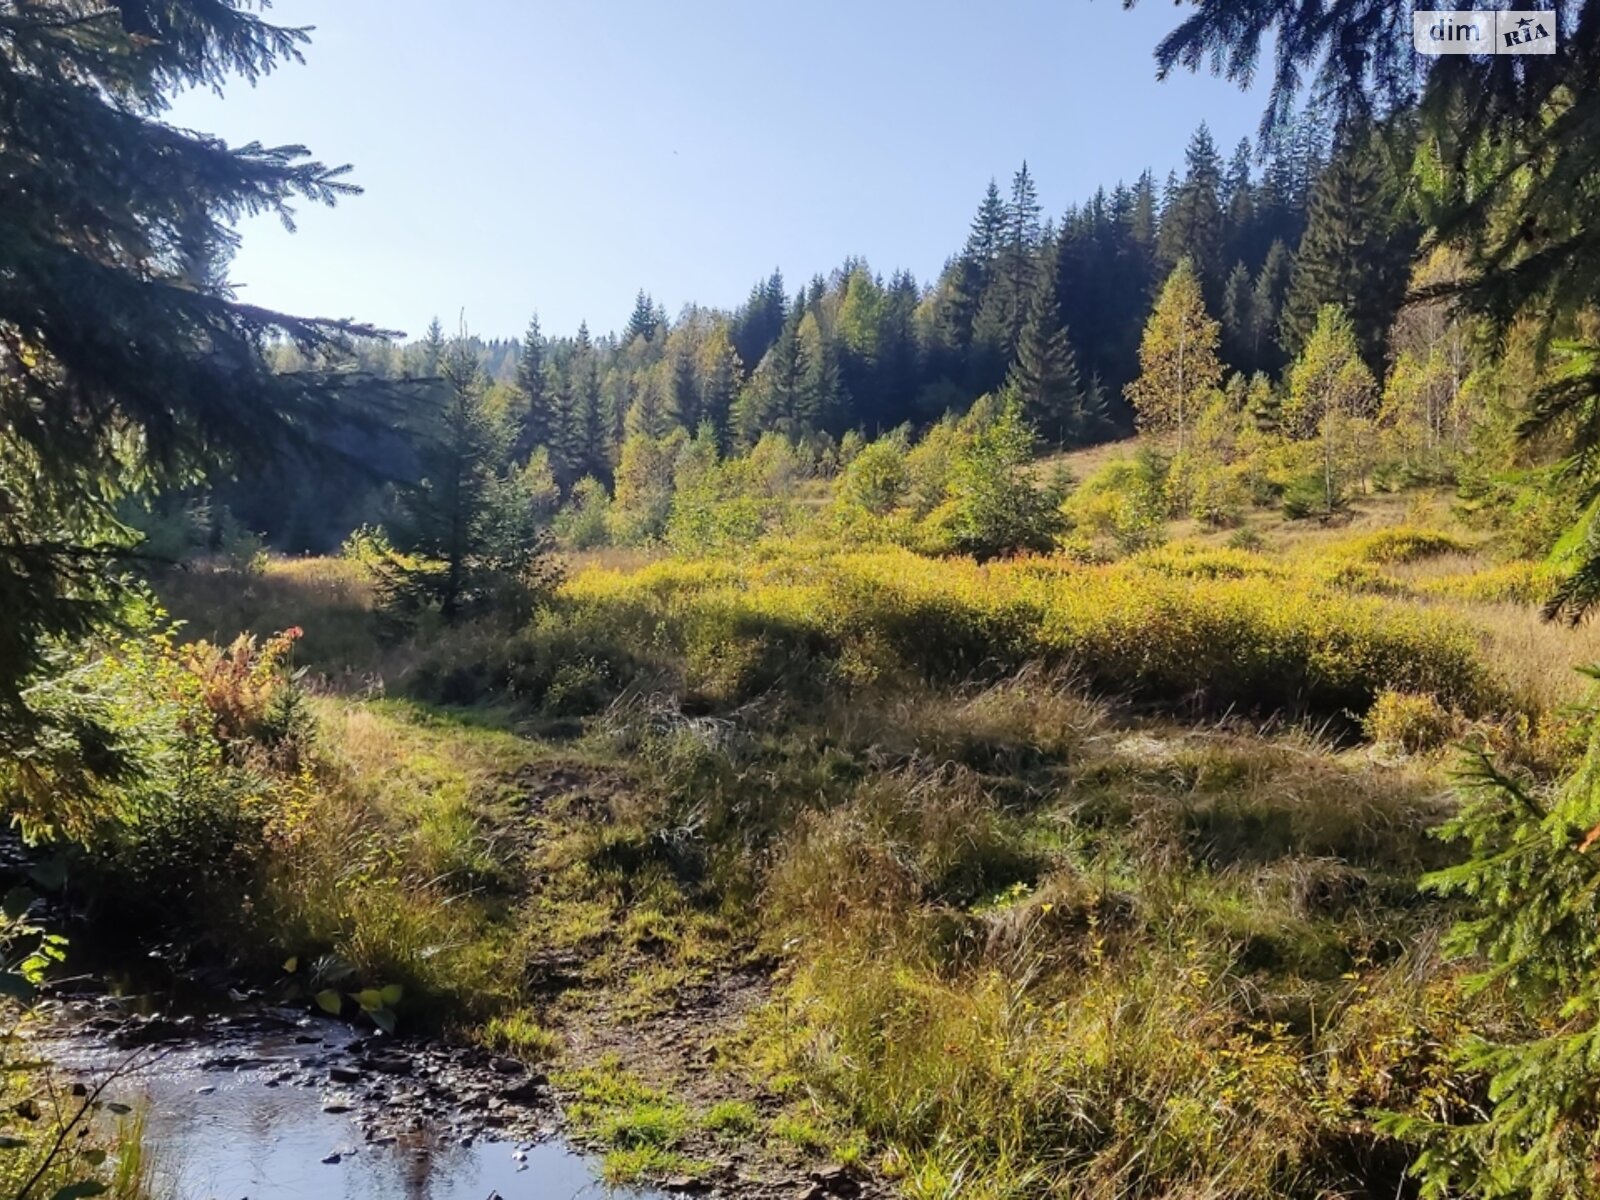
1082, 873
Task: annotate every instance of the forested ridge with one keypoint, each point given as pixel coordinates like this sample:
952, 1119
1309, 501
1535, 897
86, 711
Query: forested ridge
1056, 307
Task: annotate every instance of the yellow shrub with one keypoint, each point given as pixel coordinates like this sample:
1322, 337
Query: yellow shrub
1219, 627
1361, 577
1512, 583
1189, 560
1403, 544
1409, 721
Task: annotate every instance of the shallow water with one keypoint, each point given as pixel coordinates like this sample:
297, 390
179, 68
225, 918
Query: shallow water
244, 1120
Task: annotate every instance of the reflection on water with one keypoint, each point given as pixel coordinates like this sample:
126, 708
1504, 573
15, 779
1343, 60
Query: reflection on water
248, 1132
245, 1140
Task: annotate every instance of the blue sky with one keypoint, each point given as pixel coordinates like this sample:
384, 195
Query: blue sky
559, 155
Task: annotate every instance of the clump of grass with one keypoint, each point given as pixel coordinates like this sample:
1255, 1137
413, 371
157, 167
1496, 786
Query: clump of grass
1221, 800
630, 1164
641, 1127
732, 1118
1360, 578
389, 875
1525, 583
799, 1130
1141, 1013
520, 1035
648, 1123
1191, 560
1139, 1078
901, 839
1035, 718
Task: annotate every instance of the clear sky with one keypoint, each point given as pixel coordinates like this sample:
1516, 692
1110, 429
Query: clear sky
559, 155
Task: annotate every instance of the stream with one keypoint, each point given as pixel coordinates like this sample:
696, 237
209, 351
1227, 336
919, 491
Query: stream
265, 1103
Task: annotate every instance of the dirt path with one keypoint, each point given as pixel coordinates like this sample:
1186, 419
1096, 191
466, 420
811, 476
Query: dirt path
685, 1043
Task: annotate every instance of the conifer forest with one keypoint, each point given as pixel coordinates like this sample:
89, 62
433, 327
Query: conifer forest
1114, 717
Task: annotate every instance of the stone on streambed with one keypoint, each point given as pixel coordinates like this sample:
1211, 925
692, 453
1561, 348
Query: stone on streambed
525, 1091
388, 1064
691, 1185
833, 1181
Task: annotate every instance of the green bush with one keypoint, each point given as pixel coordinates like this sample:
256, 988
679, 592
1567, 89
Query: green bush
1306, 496
1125, 502
584, 523
165, 766
997, 507
877, 480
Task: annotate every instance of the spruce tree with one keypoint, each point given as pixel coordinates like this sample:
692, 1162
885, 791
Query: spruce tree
770, 398
1135, 282
1019, 267
998, 508
1238, 319
432, 349
1329, 386
592, 437
818, 395
988, 230
1266, 308
1044, 375
899, 359
988, 351
756, 326
1528, 931
682, 387
125, 355
1192, 224
647, 416
536, 412
968, 278
717, 370
1357, 248
1279, 211
1143, 215
1240, 229
858, 328
440, 526
1264, 404
1086, 274
1022, 230
644, 321
566, 433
